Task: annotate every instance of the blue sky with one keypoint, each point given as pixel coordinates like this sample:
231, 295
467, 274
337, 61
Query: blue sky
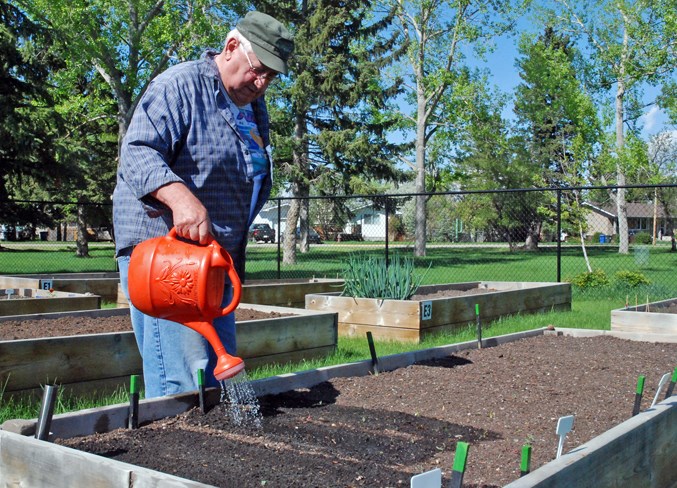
501, 64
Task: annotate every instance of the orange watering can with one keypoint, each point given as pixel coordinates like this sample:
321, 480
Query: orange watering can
184, 282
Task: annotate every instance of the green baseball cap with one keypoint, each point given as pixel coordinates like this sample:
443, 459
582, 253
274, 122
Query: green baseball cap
271, 41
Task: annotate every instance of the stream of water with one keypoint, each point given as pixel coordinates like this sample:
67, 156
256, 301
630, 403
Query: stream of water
239, 401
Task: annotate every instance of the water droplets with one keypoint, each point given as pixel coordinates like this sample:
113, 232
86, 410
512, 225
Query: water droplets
239, 401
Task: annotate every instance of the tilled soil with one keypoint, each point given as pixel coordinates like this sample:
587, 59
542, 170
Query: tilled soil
72, 325
379, 430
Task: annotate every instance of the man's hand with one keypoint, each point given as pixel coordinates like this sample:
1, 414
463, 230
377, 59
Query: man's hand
190, 216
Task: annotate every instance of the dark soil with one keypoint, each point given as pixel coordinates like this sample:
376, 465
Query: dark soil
71, 325
378, 431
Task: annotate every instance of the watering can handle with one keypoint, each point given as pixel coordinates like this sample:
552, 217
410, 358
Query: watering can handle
232, 274
172, 233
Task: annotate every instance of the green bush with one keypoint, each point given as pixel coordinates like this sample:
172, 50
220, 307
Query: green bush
592, 279
643, 238
371, 277
632, 278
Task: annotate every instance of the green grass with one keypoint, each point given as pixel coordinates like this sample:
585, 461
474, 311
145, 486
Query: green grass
44, 259
29, 408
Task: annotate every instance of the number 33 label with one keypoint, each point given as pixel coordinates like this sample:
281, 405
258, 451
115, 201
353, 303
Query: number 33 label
426, 310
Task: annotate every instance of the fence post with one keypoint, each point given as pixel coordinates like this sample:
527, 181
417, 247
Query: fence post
387, 248
279, 234
559, 235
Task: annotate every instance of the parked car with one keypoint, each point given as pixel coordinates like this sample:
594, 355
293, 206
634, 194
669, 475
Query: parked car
313, 236
261, 232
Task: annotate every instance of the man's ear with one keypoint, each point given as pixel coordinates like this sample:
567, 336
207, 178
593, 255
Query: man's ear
230, 47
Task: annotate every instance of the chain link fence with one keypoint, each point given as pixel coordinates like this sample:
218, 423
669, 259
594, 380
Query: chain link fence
543, 234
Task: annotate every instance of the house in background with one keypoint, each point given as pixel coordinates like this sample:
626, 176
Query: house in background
604, 219
368, 223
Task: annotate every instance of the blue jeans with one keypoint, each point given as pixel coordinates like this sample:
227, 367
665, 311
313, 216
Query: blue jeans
171, 352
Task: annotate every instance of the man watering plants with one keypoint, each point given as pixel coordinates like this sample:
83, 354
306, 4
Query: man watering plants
196, 157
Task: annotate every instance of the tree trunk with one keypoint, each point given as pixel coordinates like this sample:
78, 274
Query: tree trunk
420, 215
82, 247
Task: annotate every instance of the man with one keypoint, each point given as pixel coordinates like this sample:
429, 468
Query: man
197, 157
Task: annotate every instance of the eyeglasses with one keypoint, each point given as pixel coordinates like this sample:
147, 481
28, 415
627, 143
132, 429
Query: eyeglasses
261, 74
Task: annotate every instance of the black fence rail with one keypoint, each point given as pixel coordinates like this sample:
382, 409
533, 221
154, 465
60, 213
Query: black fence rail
536, 234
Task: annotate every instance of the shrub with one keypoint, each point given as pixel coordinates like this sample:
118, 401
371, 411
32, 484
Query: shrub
371, 277
632, 278
590, 279
643, 238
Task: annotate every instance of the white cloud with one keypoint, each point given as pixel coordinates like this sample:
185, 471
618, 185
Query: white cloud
652, 119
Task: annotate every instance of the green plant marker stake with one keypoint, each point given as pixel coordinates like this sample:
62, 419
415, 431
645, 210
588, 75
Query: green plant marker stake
133, 419
460, 460
638, 394
372, 351
525, 465
479, 326
201, 389
671, 386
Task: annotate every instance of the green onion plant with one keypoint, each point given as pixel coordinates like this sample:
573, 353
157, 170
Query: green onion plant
368, 276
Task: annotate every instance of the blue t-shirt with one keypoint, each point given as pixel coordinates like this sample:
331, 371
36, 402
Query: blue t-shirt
246, 125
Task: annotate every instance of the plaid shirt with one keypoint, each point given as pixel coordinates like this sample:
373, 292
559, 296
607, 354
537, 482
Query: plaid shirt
183, 130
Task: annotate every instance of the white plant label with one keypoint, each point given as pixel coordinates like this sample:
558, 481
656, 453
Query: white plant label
664, 380
564, 426
426, 310
429, 479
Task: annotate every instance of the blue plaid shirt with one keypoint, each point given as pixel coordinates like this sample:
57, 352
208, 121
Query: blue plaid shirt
183, 130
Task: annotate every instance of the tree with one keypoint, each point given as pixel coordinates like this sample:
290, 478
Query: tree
129, 42
437, 32
28, 123
557, 122
631, 42
330, 112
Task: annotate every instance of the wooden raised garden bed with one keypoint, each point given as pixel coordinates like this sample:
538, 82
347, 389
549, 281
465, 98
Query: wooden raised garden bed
21, 301
411, 320
657, 319
103, 284
105, 361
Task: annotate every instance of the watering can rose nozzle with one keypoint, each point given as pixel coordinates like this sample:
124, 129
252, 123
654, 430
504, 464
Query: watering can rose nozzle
184, 282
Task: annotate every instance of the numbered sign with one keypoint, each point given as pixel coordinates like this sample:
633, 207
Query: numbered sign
46, 284
426, 310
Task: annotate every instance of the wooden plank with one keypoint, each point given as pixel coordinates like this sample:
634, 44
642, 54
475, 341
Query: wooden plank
381, 333
290, 357
287, 294
43, 305
29, 462
28, 363
274, 336
644, 322
107, 289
